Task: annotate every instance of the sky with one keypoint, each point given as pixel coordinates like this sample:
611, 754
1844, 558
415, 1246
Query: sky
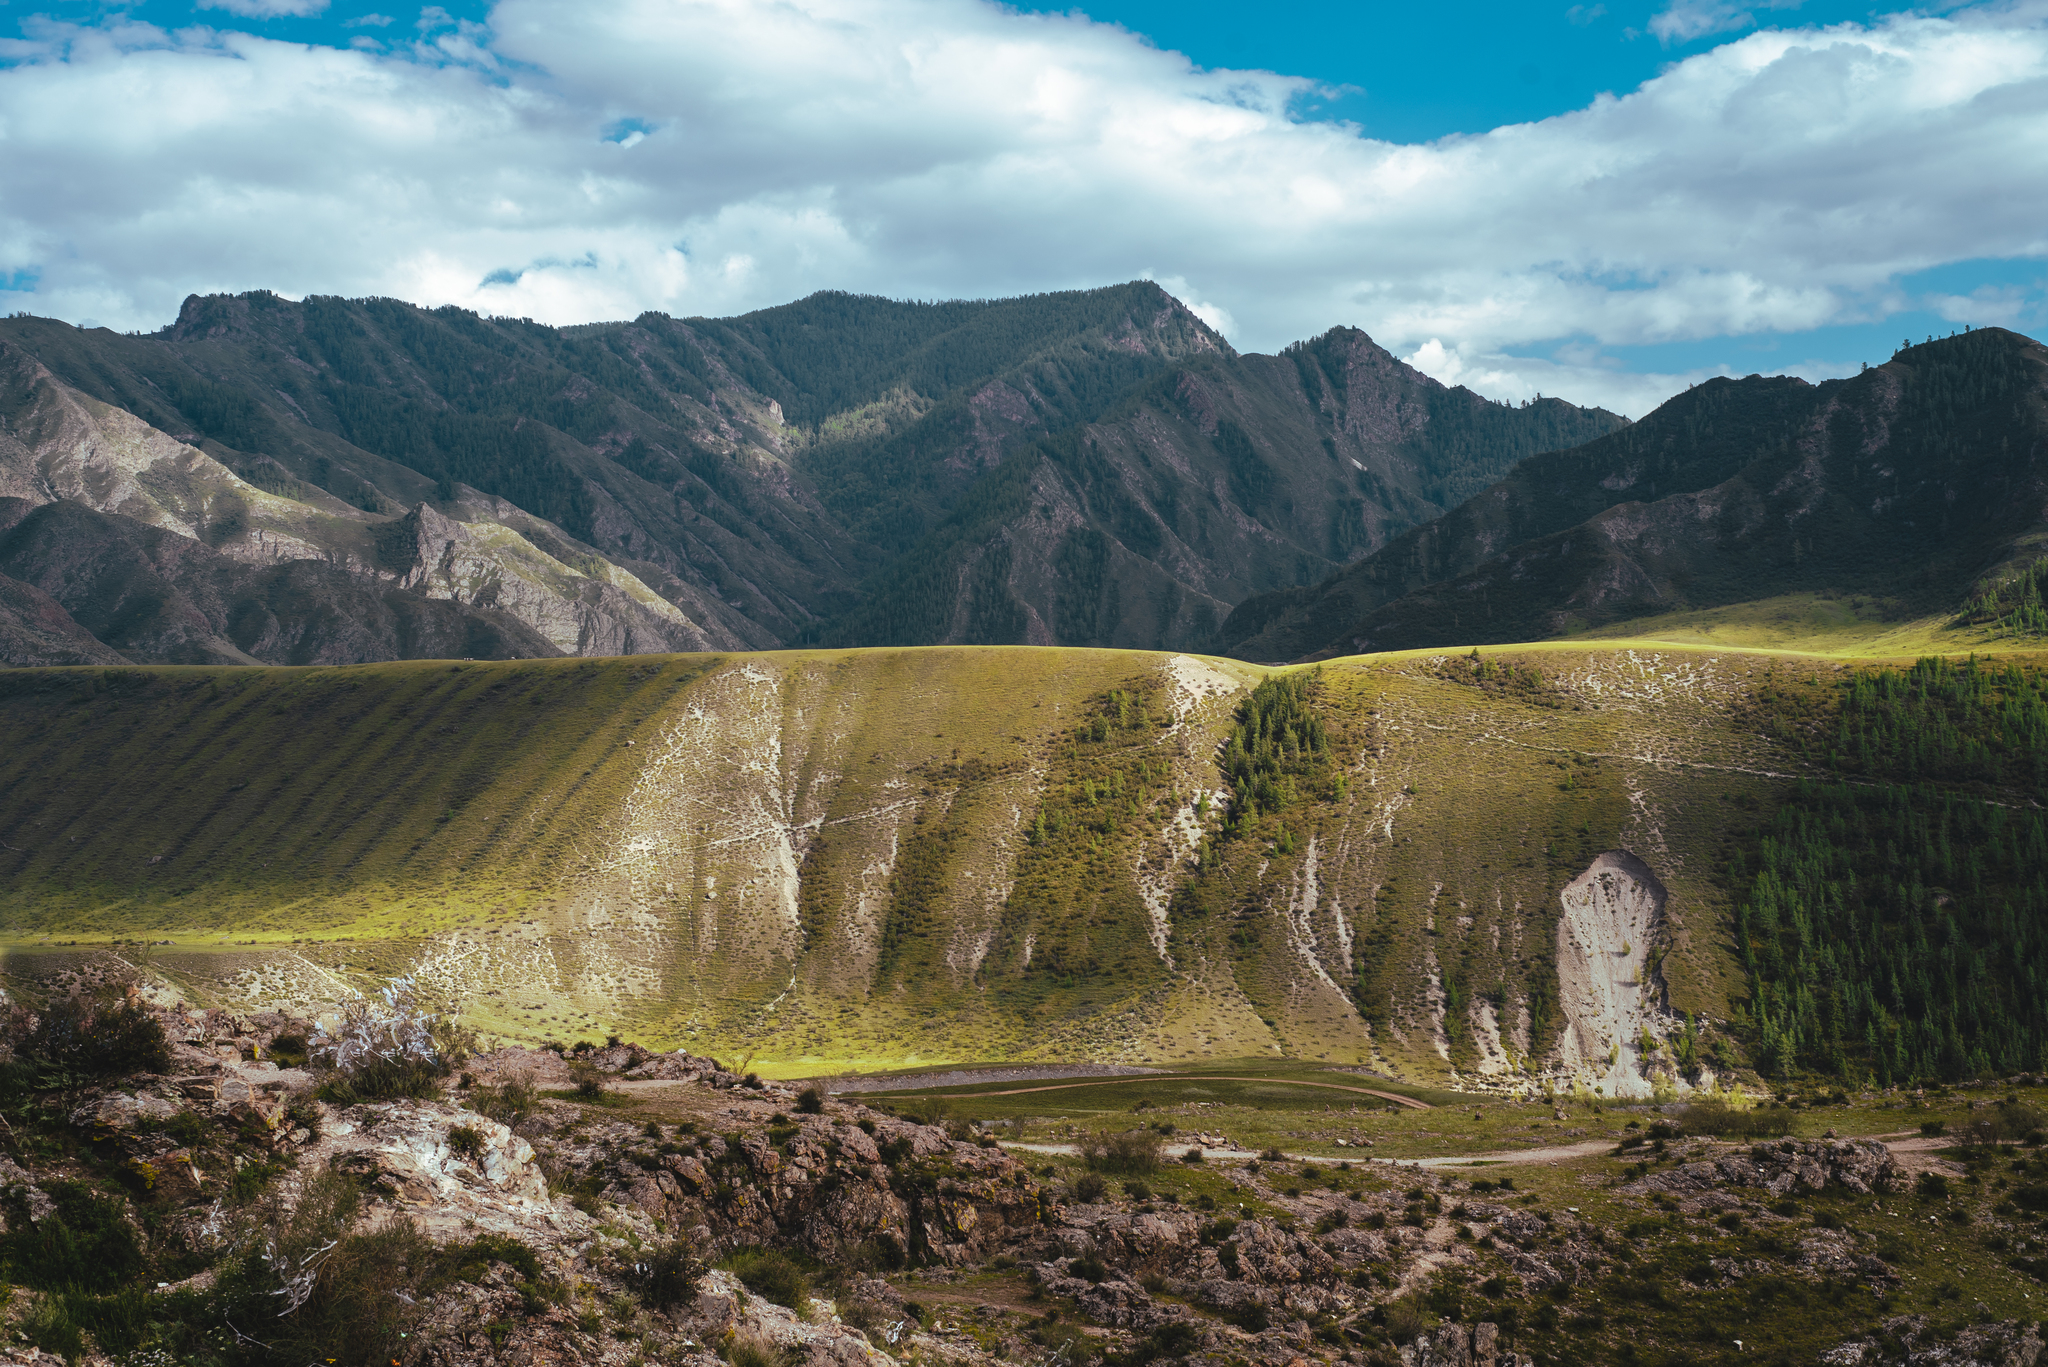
1605, 202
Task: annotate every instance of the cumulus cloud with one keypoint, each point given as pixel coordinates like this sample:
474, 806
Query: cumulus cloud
591, 159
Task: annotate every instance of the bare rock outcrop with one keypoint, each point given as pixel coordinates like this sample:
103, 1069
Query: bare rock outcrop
1787, 1166
1456, 1345
1908, 1342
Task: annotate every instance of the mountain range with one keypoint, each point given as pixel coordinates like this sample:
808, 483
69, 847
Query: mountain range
331, 480
1919, 487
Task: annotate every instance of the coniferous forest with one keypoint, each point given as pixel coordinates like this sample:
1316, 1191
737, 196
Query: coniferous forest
1891, 919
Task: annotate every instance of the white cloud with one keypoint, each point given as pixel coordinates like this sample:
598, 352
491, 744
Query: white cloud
266, 9
1684, 20
932, 148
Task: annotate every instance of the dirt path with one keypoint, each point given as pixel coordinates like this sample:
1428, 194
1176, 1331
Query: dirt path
1111, 1082
1903, 1145
1588, 1148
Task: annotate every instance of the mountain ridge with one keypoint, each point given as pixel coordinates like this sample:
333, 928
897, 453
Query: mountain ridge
801, 474
1916, 481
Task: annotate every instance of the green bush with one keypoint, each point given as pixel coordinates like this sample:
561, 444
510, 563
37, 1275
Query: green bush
84, 1037
383, 1080
746, 1350
86, 1245
669, 1275
770, 1274
466, 1141
1727, 1122
49, 1326
470, 1262
319, 1289
508, 1103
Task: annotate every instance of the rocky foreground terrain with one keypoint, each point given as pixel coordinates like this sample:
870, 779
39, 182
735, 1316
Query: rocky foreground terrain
608, 1205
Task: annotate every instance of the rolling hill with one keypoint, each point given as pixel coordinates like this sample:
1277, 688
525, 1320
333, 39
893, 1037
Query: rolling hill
1525, 864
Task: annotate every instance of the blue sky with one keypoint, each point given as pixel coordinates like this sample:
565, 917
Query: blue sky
1603, 201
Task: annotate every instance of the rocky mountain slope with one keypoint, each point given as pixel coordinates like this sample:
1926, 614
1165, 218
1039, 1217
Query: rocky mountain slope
1921, 484
195, 1184
1088, 468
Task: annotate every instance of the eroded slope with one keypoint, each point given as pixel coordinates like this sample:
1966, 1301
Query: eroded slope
878, 858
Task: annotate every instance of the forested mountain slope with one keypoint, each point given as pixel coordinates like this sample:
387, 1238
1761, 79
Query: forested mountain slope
1093, 467
1923, 481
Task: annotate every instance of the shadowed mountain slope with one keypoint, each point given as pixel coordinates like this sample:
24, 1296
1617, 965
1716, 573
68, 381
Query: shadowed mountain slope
1091, 467
1922, 482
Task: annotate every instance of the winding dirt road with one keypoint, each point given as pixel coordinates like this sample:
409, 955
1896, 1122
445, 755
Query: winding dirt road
1207, 1077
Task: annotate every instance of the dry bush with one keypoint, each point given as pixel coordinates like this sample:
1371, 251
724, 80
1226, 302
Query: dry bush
1130, 1152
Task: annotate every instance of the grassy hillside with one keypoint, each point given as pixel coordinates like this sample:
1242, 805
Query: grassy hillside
886, 858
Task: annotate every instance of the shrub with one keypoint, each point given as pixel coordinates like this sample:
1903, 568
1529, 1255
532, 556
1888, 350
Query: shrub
1137, 1191
1175, 1338
811, 1101
1727, 1122
85, 1245
667, 1276
301, 1111
321, 1290
1931, 1186
466, 1141
471, 1261
751, 1350
509, 1102
769, 1274
84, 1036
1131, 1152
50, 1327
589, 1081
1089, 1188
380, 1052
1089, 1268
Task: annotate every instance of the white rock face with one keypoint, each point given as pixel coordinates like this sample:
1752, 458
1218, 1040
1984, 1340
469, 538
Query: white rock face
405, 1153
595, 609
57, 443
1611, 912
